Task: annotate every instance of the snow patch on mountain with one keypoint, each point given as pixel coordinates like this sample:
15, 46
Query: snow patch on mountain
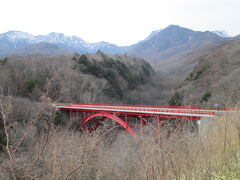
221, 33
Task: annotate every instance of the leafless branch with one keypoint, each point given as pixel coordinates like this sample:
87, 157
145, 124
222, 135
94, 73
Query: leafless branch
5, 110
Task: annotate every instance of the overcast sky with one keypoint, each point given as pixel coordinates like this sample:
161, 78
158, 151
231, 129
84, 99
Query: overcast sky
122, 22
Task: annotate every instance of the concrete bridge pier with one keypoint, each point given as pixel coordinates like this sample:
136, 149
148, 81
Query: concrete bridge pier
204, 125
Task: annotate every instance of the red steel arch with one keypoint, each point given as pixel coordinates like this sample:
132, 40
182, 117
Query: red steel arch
96, 125
108, 115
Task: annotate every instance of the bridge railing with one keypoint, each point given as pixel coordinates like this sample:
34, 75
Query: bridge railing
148, 109
153, 106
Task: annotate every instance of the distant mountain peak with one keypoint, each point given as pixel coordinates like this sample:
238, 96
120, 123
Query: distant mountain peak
153, 33
173, 26
56, 35
177, 28
14, 40
18, 35
171, 41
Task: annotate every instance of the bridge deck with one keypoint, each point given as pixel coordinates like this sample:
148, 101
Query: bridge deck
153, 110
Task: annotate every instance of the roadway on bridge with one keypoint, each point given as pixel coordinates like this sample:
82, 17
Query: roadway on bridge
157, 110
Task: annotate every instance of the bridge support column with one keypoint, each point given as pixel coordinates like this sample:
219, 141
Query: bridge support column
77, 118
70, 115
158, 125
181, 123
126, 118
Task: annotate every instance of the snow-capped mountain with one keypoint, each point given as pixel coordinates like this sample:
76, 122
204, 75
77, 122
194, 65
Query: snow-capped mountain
77, 44
159, 45
171, 41
73, 43
12, 40
18, 35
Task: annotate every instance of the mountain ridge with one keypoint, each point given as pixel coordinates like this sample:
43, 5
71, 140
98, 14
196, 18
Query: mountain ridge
159, 45
13, 40
171, 41
43, 48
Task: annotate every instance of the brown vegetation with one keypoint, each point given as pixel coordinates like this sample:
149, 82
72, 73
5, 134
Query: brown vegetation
215, 80
99, 79
54, 152
34, 146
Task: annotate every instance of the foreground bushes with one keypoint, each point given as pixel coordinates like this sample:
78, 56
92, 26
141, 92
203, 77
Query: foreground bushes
59, 153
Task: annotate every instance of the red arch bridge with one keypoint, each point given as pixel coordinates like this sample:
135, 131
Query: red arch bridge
95, 114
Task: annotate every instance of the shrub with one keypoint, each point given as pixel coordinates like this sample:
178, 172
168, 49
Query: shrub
2, 134
206, 97
176, 100
200, 72
3, 61
197, 73
30, 85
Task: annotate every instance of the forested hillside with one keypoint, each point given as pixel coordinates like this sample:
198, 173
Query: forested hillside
215, 79
90, 78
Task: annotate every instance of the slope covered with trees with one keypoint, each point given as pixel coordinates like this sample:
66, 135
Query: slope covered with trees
90, 78
215, 79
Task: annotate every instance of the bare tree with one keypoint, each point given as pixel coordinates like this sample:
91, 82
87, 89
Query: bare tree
44, 110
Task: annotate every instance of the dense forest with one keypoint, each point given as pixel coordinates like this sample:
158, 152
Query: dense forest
90, 78
214, 80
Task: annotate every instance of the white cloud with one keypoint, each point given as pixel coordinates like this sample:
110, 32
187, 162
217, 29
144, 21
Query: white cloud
117, 21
